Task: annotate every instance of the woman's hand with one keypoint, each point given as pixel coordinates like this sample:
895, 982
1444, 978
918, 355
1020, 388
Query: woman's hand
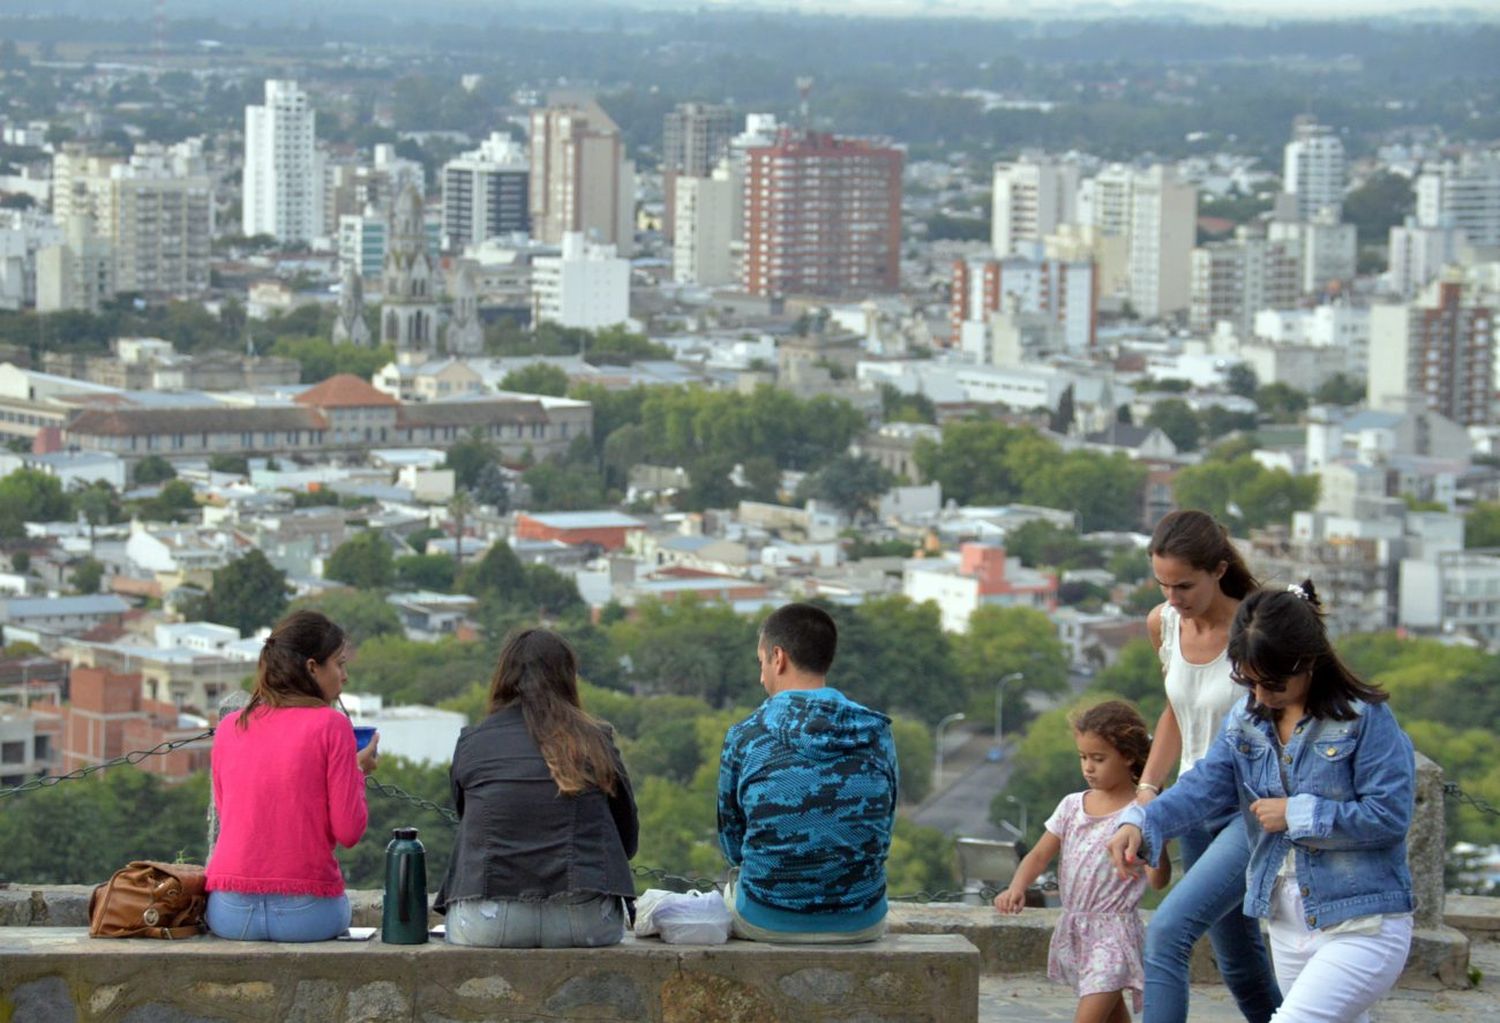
369, 756
1271, 813
1012, 900
1123, 848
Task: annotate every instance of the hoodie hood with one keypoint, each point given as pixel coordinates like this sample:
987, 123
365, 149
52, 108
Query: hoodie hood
823, 724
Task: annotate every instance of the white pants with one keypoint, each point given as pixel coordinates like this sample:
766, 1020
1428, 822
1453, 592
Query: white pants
1331, 978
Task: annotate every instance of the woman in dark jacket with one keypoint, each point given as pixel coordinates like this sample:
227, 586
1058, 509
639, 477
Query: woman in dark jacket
547, 819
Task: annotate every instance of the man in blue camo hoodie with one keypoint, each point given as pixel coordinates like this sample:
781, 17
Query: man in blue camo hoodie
807, 796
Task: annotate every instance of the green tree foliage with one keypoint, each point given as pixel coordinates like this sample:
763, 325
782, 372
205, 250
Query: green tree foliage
153, 469
1136, 676
364, 561
468, 458
247, 593
1340, 389
921, 860
851, 483
433, 572
1044, 768
1482, 525
98, 503
690, 647
28, 495
1378, 205
364, 865
1241, 380
87, 575
896, 407
1175, 418
1040, 544
1218, 420
552, 593
1282, 403
915, 750
406, 671
320, 358
570, 483
175, 502
1005, 640
239, 465
987, 462
1262, 496
886, 646
81, 832
537, 378
498, 574
361, 614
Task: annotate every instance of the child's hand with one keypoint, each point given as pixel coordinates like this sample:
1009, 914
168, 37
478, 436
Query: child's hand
1011, 900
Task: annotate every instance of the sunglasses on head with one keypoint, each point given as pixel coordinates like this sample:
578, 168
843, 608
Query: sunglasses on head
1270, 683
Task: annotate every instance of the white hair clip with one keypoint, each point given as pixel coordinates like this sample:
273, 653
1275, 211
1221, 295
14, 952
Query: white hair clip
1297, 589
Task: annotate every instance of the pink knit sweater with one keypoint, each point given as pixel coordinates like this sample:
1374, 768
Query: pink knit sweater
287, 788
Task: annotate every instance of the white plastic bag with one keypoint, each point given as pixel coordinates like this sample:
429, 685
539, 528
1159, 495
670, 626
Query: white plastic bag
692, 918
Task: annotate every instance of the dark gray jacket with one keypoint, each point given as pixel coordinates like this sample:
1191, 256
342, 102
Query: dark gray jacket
518, 836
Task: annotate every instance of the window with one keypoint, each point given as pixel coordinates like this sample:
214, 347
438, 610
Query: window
13, 752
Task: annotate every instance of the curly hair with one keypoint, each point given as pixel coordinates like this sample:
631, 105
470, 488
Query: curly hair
1120, 725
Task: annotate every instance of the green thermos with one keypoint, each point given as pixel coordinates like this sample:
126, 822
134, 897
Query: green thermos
404, 916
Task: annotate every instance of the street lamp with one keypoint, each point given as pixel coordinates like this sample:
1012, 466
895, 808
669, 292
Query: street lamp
1022, 807
999, 704
938, 772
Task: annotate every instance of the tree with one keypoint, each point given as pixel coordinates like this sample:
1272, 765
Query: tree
1378, 205
1482, 525
1009, 640
1241, 380
915, 749
28, 495
1281, 402
247, 593
1061, 419
1260, 496
894, 655
690, 647
87, 575
468, 457
499, 573
1175, 418
426, 572
98, 504
363, 561
851, 483
1340, 389
153, 469
361, 614
175, 502
551, 592
537, 378
237, 465
1136, 676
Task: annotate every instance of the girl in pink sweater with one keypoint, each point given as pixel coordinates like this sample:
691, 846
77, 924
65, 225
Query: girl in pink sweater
288, 785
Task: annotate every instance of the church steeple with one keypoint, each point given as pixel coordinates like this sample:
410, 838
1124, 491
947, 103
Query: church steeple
349, 327
408, 315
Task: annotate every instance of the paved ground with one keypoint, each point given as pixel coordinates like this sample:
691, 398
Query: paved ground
1031, 999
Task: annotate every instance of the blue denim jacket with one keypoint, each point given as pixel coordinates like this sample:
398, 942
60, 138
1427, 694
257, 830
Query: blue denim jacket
1350, 787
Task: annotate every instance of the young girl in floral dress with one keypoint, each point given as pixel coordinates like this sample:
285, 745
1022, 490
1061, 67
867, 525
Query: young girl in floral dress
1096, 946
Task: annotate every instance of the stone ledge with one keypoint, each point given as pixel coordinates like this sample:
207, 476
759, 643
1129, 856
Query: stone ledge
59, 975
1478, 916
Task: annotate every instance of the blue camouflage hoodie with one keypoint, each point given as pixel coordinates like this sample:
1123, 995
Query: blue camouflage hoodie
807, 797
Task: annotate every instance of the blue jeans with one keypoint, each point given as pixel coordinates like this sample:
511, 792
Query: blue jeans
240, 917
1209, 898
580, 920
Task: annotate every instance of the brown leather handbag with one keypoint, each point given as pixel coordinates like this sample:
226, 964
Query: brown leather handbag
149, 900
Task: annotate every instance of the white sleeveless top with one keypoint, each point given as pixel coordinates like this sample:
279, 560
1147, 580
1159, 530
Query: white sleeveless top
1200, 694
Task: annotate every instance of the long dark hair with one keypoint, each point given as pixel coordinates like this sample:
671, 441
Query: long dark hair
1200, 540
1279, 633
539, 670
1120, 725
281, 676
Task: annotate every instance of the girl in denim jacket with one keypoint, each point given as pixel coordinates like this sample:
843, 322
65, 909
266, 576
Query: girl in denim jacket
1323, 776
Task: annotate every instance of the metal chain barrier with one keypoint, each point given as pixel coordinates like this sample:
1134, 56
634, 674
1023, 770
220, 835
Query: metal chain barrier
665, 878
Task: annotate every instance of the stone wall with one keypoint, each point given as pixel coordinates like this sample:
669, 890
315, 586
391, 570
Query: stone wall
59, 975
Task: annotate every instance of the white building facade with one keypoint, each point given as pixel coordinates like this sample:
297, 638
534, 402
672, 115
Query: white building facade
587, 286
283, 182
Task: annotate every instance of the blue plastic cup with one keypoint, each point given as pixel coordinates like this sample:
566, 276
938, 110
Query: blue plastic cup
362, 736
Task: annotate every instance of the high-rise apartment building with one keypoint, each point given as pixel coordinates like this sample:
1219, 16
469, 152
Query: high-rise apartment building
1437, 352
1464, 195
580, 178
1104, 200
1418, 254
283, 182
704, 216
695, 137
822, 216
1031, 197
587, 285
161, 210
1327, 249
1163, 231
1233, 280
1061, 291
1314, 169
77, 273
486, 193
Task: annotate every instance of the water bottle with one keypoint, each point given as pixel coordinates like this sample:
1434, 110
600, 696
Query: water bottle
404, 915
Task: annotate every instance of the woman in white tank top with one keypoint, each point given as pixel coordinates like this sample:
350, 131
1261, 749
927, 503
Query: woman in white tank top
1203, 579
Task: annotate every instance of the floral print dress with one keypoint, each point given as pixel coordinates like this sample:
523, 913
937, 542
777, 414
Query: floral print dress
1096, 946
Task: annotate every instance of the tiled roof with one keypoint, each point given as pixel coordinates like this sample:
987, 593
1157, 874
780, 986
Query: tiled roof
470, 413
344, 391
125, 422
